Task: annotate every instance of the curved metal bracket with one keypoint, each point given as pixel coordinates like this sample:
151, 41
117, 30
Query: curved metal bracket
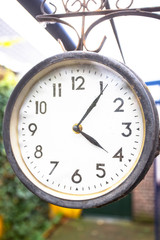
129, 5
84, 8
120, 14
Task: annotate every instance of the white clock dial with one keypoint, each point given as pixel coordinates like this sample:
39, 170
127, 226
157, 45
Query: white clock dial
79, 128
61, 159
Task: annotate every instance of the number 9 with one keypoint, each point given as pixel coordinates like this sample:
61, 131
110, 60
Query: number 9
32, 128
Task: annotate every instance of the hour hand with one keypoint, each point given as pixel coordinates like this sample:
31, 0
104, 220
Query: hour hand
92, 140
78, 129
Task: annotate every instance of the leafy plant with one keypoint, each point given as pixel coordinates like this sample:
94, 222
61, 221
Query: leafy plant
24, 215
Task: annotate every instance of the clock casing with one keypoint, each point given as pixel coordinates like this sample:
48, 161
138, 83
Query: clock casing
80, 130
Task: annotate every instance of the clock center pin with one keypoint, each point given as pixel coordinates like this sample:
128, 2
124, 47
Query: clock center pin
77, 128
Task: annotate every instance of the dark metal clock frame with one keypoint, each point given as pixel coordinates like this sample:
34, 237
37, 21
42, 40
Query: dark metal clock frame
151, 145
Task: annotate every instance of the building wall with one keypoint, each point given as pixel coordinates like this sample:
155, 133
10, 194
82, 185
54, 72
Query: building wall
143, 198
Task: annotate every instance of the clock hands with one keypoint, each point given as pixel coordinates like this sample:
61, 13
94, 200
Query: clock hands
91, 106
78, 129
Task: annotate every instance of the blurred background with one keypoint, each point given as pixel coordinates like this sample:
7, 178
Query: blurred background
23, 43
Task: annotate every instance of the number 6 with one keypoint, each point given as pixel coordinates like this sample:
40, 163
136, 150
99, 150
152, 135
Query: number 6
76, 177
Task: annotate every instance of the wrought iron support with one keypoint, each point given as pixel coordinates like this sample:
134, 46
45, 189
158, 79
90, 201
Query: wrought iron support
82, 8
107, 5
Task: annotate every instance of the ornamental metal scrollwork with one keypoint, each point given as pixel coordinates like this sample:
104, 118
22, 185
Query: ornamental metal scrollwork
128, 5
42, 7
86, 8
83, 5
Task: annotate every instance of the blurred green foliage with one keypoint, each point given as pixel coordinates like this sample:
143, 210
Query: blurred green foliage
24, 215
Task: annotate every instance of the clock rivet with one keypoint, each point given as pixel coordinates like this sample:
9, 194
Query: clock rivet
77, 128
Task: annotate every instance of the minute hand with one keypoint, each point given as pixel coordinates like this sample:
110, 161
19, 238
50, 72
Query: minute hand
94, 103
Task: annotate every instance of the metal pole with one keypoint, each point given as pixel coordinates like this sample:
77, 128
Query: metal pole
56, 29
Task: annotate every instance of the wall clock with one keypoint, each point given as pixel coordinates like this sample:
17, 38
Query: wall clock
80, 130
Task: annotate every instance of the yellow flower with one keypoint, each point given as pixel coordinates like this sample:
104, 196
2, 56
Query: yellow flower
7, 78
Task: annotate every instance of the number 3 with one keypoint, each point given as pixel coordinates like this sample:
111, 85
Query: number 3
128, 124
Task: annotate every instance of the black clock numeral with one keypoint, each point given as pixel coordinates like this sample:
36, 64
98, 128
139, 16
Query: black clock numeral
57, 90
129, 130
41, 107
76, 177
101, 86
78, 83
121, 102
119, 155
100, 167
38, 153
32, 128
55, 165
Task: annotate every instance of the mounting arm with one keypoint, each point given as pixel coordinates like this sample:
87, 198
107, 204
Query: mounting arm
56, 29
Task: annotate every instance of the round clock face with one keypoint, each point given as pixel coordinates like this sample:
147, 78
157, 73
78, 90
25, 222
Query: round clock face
77, 130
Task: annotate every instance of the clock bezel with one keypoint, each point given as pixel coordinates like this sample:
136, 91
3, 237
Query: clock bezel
151, 125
